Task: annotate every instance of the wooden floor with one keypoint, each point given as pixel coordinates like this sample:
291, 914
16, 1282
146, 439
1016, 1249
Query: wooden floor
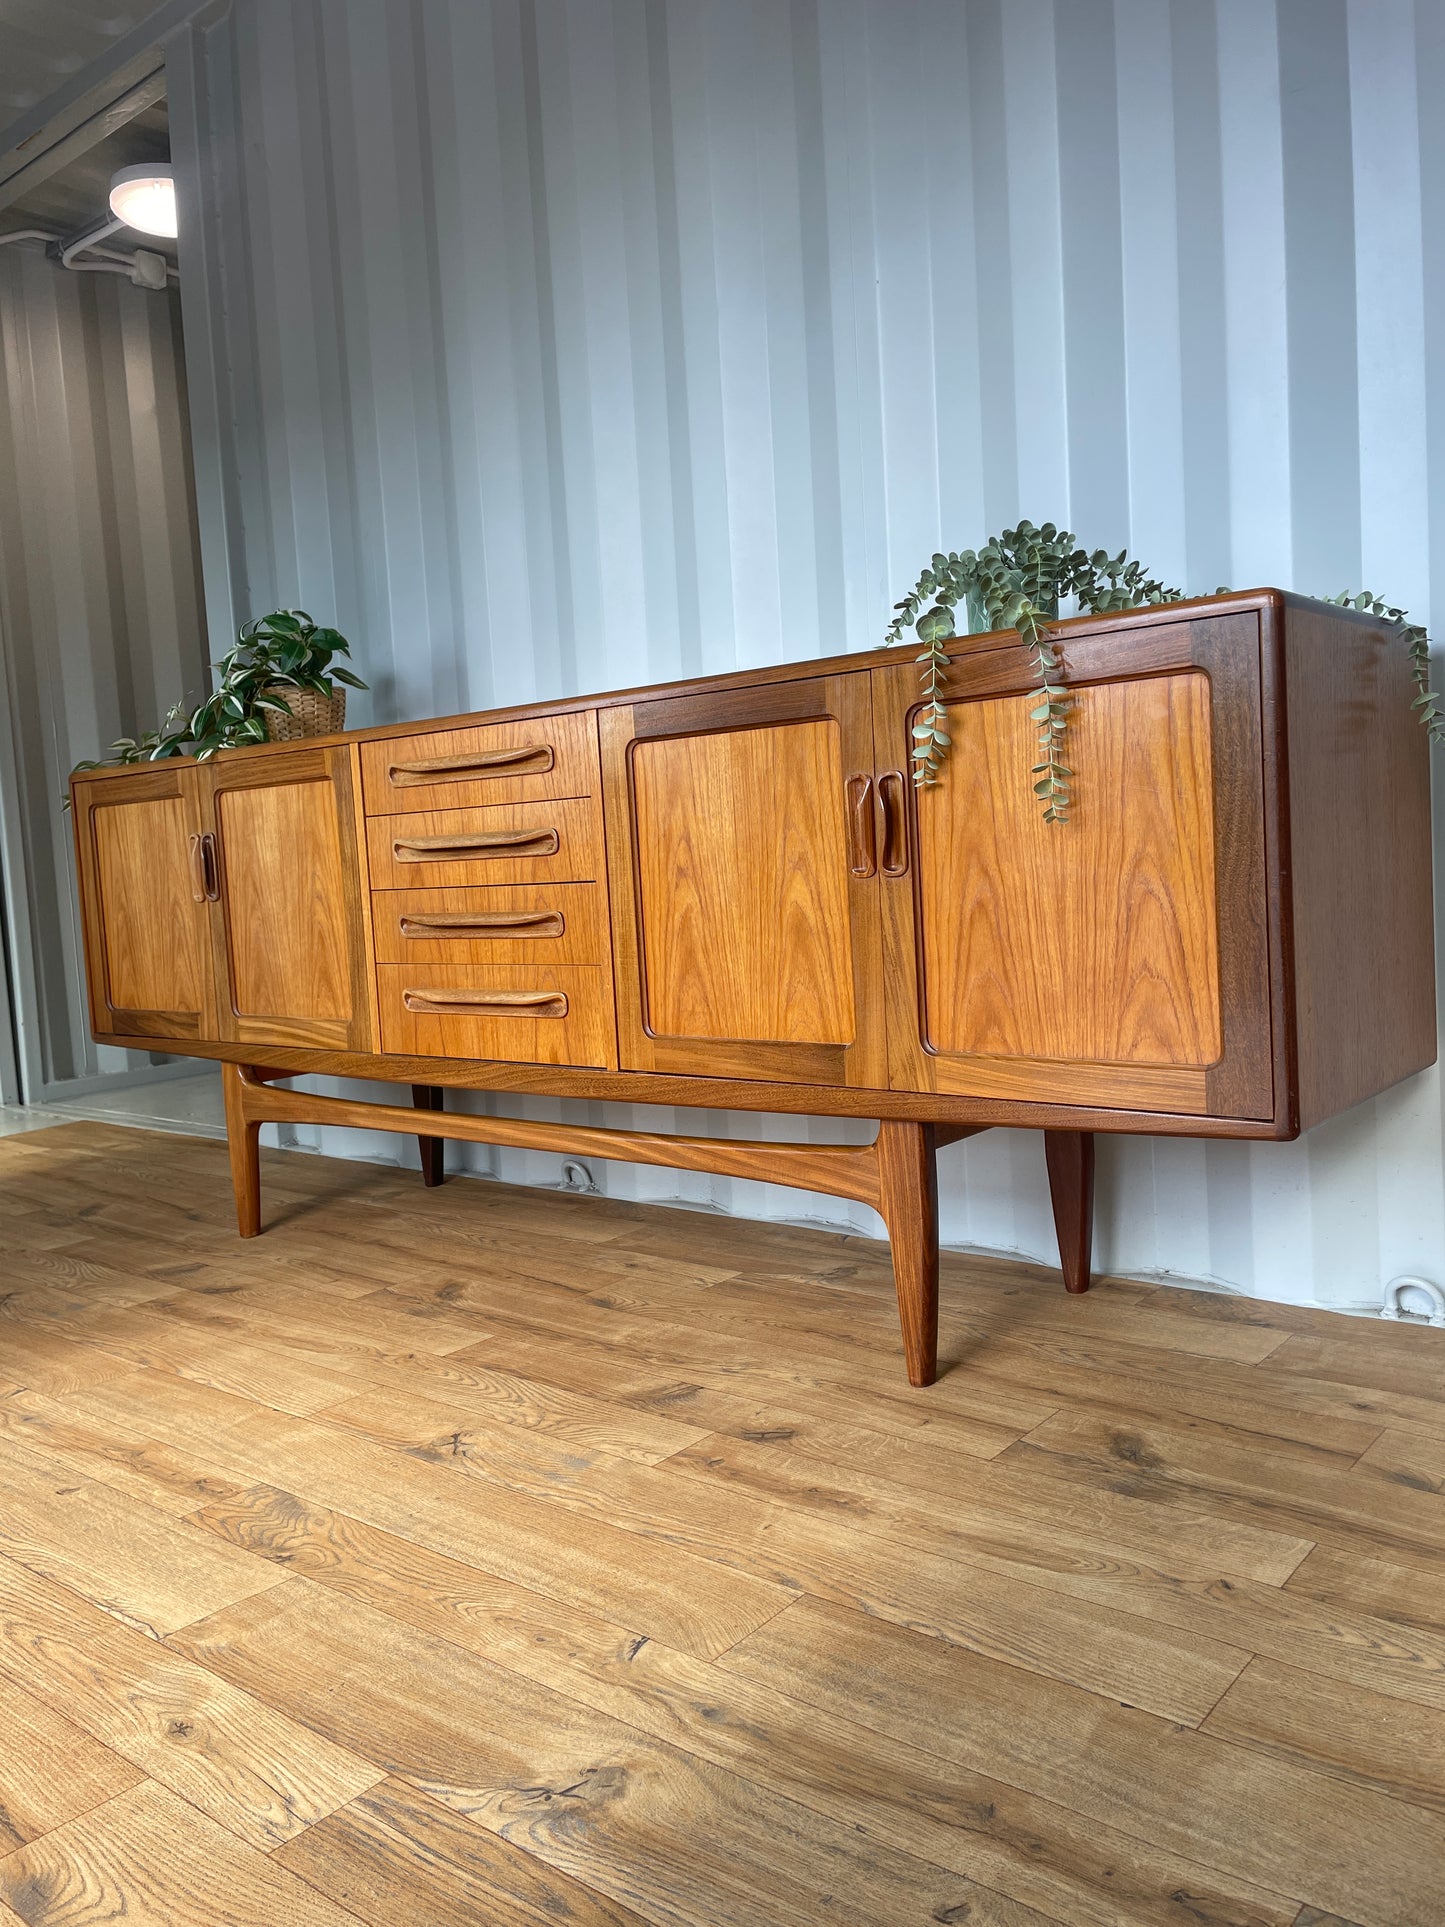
491, 1557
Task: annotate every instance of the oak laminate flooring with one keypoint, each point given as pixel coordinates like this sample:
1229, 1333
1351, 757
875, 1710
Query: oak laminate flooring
1398, 1595
50, 1769
1345, 1731
656, 1500
1279, 1492
144, 1567
654, 1827
258, 1773
139, 1466
1345, 1849
1030, 1849
736, 1395
395, 1858
151, 1860
664, 1590
914, 1581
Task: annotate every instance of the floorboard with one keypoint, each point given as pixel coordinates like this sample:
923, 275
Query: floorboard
483, 1555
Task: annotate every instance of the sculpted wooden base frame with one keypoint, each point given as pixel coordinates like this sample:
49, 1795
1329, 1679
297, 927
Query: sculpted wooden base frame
895, 1174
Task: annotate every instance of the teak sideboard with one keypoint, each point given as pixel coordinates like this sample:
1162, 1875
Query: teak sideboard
727, 893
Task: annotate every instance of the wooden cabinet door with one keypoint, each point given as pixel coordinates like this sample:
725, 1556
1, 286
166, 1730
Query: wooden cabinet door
1118, 960
290, 927
143, 904
740, 845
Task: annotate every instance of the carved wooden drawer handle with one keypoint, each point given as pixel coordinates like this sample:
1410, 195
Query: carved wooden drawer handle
501, 1003
485, 843
486, 923
530, 759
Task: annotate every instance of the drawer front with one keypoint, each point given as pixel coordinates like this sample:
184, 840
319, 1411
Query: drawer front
450, 769
513, 1014
514, 843
554, 923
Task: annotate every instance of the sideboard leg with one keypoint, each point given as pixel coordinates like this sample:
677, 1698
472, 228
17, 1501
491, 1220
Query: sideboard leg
1070, 1157
908, 1201
243, 1138
428, 1097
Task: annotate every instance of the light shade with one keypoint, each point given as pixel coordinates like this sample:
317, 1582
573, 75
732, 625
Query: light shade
145, 198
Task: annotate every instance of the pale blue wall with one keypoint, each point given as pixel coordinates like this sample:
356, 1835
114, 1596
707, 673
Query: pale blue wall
553, 347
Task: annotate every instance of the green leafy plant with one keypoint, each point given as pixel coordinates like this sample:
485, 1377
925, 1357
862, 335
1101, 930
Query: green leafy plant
1017, 581
285, 650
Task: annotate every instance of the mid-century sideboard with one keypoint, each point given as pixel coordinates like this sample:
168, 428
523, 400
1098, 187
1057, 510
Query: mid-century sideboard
727, 893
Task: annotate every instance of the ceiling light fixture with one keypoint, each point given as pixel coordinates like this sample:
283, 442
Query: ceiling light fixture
145, 198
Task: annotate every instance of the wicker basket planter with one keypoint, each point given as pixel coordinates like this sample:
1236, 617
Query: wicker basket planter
311, 715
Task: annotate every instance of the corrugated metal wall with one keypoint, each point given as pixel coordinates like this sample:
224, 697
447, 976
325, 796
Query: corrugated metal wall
101, 627
548, 348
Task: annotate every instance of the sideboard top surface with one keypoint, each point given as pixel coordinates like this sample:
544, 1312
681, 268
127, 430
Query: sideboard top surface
1152, 614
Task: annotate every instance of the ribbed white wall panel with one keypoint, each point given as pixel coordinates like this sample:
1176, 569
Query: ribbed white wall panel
100, 613
553, 347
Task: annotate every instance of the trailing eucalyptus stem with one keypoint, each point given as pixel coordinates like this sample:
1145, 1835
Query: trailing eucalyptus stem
1017, 581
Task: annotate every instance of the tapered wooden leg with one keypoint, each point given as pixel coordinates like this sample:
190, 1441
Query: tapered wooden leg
428, 1097
1070, 1156
244, 1139
908, 1200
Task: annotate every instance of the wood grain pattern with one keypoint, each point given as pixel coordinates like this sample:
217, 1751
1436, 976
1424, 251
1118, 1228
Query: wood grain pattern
1359, 830
290, 948
574, 1027
152, 937
1345, 1731
50, 1770
285, 901
557, 842
145, 1568
1093, 942
1245, 1813
150, 1858
767, 962
646, 1823
560, 923
261, 1775
742, 885
540, 757
618, 1528
397, 1858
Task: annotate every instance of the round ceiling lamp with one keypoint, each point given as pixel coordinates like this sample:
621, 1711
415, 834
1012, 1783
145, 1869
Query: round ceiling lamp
145, 198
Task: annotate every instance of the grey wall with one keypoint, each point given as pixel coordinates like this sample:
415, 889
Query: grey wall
101, 627
551, 347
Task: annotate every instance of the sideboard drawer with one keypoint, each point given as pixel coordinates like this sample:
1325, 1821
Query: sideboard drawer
552, 923
514, 843
512, 762
514, 1014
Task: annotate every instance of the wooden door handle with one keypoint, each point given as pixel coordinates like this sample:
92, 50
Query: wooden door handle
529, 759
485, 843
501, 1003
485, 923
891, 807
196, 855
862, 843
205, 887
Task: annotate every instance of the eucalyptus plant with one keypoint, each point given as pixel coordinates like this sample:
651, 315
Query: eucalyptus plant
1017, 581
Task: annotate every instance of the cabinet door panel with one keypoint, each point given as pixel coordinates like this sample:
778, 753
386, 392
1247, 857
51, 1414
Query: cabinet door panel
745, 923
1118, 960
291, 934
143, 903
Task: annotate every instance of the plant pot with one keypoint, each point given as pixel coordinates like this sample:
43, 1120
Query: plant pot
311, 714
